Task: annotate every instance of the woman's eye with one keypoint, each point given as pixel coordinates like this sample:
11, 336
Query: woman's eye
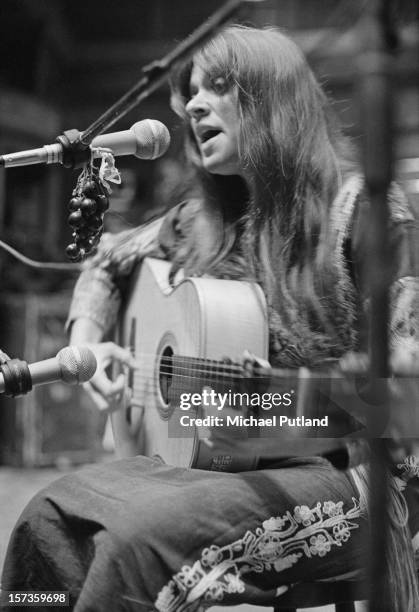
219, 85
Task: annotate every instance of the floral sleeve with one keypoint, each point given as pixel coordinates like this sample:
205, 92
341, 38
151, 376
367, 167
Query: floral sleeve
100, 286
97, 293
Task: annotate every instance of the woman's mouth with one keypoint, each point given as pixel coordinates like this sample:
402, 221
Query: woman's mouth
207, 135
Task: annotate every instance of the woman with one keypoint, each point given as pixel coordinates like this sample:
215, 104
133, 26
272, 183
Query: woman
278, 200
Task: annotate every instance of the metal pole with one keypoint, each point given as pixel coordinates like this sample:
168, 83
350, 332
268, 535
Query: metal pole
378, 131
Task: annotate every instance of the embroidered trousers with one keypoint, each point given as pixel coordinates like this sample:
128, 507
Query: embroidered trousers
135, 535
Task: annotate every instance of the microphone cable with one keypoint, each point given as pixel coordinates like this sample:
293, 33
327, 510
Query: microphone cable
40, 265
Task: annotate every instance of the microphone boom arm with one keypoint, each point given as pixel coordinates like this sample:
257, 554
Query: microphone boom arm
156, 73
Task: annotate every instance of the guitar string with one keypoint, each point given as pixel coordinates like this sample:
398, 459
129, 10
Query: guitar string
151, 373
197, 373
173, 371
240, 371
225, 371
194, 360
142, 377
225, 365
149, 376
213, 367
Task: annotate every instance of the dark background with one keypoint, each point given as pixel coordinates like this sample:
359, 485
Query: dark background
62, 64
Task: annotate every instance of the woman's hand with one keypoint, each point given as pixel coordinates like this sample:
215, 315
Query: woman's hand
104, 391
4, 357
222, 437
219, 437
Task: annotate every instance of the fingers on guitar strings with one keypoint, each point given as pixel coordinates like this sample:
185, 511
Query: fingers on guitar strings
254, 365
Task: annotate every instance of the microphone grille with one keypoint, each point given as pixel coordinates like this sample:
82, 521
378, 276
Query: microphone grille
77, 364
153, 138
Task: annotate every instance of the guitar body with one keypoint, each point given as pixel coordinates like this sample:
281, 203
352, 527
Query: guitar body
201, 318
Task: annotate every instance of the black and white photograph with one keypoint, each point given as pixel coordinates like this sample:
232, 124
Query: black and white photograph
209, 306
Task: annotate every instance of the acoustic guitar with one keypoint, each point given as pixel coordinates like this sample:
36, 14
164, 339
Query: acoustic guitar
180, 337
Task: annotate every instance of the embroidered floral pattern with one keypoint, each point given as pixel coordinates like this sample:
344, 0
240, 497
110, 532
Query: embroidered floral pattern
304, 515
319, 545
409, 467
333, 509
277, 545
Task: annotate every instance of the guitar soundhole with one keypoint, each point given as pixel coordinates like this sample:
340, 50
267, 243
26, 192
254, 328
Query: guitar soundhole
166, 374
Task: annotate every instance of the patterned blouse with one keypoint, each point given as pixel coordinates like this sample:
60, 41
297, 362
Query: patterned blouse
101, 285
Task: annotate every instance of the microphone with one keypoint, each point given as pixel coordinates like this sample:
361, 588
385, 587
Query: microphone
147, 139
72, 365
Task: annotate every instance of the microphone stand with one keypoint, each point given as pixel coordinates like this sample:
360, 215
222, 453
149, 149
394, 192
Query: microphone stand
376, 97
75, 144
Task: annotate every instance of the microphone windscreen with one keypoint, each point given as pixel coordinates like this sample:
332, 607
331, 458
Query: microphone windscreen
77, 364
153, 138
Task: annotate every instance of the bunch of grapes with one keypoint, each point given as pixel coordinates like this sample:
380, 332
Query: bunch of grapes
87, 208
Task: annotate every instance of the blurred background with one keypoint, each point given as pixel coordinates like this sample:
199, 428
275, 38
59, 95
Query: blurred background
62, 64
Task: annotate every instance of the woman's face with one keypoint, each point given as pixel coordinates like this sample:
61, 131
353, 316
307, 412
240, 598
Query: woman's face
213, 111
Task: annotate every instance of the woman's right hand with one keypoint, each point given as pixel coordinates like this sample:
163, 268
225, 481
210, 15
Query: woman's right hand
105, 391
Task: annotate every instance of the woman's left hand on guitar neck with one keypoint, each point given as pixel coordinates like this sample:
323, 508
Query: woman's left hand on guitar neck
233, 437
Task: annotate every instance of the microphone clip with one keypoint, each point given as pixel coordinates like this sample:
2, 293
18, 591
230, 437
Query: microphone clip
17, 377
75, 154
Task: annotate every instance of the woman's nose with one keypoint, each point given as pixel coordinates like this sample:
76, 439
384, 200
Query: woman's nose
197, 107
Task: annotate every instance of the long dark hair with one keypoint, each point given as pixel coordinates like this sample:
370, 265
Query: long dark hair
276, 225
